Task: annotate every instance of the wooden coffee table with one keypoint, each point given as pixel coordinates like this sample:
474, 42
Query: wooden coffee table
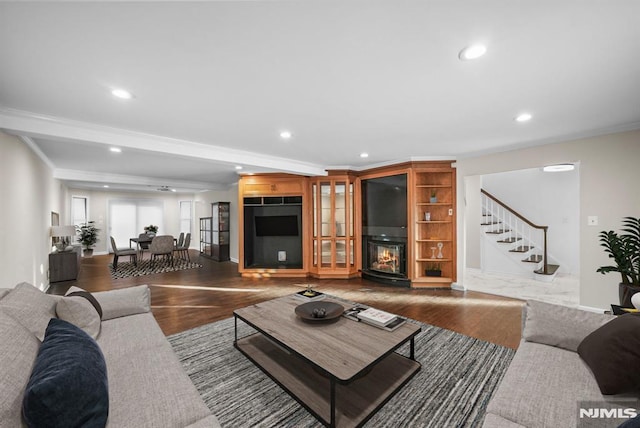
342, 371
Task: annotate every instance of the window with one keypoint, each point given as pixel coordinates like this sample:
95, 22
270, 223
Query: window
128, 217
185, 216
79, 212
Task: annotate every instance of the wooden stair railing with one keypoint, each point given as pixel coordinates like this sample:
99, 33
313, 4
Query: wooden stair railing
545, 265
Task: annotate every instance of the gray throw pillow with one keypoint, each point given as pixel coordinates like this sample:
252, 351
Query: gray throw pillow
122, 302
30, 307
560, 326
80, 312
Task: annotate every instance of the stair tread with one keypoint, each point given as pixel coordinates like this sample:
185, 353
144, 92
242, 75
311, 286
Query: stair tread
509, 240
490, 223
497, 232
551, 269
522, 249
536, 258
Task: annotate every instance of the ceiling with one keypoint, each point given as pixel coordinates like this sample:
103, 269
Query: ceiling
215, 83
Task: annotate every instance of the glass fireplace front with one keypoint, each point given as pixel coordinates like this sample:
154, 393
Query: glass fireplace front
386, 257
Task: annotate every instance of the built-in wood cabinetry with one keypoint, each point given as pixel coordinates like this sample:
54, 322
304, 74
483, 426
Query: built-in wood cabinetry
433, 202
334, 240
273, 195
330, 223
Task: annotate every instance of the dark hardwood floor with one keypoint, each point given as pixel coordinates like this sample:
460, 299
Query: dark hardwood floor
186, 299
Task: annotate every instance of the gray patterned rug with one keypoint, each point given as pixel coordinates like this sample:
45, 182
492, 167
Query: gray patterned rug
457, 379
145, 267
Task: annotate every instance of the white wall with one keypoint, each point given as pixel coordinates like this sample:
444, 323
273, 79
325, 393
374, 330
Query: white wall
28, 194
545, 198
608, 189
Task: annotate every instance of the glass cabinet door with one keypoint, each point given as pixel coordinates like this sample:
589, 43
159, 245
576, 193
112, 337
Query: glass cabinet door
333, 224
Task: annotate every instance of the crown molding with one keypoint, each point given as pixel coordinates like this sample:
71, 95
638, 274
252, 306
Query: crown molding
36, 125
89, 176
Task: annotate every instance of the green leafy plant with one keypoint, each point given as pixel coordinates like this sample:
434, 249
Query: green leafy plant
151, 228
624, 249
87, 234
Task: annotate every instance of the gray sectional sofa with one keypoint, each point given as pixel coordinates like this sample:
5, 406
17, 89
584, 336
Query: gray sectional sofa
147, 386
548, 381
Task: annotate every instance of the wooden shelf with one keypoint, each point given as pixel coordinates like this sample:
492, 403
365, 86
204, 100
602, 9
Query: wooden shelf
354, 401
439, 182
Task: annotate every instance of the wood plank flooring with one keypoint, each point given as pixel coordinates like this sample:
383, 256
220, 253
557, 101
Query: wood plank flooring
190, 298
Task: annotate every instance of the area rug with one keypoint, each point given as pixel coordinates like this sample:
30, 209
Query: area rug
458, 377
145, 267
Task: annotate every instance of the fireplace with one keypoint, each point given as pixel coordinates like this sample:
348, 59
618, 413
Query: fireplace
385, 260
386, 257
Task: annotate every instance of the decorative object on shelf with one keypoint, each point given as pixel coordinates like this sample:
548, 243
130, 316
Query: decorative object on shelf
433, 199
433, 252
151, 230
62, 236
433, 269
319, 311
624, 249
427, 216
440, 245
88, 236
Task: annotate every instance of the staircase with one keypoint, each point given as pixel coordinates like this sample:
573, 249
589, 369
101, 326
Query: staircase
517, 237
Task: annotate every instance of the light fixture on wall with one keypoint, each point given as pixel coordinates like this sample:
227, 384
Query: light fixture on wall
63, 234
561, 167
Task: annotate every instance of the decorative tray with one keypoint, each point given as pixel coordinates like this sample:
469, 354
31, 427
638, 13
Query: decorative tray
319, 311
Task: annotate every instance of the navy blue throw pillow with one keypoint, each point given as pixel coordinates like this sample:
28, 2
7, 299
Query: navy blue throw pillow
68, 385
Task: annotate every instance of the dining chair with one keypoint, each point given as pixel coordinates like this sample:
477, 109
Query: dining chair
144, 241
118, 252
162, 246
183, 250
180, 240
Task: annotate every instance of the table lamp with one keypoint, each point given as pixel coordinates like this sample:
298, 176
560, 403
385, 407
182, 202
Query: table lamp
62, 233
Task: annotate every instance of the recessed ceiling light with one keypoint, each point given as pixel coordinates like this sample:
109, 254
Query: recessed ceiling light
472, 52
364, 155
523, 117
561, 167
121, 93
238, 167
285, 135
106, 186
116, 149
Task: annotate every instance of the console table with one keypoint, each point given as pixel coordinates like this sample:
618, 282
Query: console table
64, 265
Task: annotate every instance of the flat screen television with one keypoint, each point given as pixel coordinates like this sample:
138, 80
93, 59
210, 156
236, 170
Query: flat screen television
384, 201
277, 225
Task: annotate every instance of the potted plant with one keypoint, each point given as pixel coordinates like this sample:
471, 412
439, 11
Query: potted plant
624, 249
433, 269
87, 236
433, 199
151, 230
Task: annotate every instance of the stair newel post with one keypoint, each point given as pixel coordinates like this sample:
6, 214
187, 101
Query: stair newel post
545, 265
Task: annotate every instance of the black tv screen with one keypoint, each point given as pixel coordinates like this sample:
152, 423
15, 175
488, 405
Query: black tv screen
384, 201
277, 225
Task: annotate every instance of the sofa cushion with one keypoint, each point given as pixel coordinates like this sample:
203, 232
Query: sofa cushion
543, 386
81, 312
122, 302
30, 307
560, 326
68, 385
141, 364
613, 352
18, 350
